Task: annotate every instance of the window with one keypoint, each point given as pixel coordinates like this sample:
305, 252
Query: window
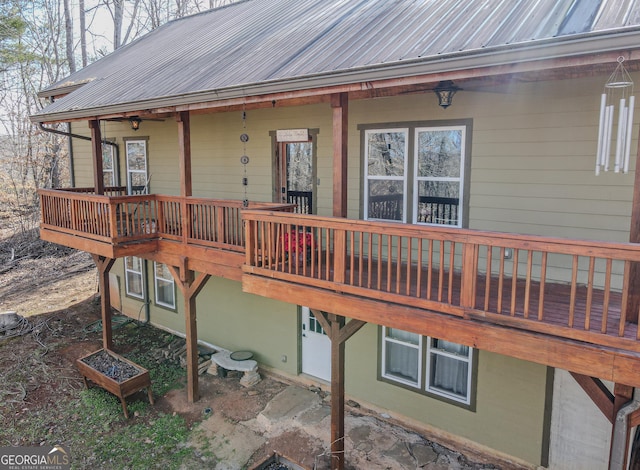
164, 286
386, 178
446, 373
134, 277
439, 172
418, 173
109, 165
137, 176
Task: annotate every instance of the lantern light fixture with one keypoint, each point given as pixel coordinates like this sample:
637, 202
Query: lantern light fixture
135, 122
445, 91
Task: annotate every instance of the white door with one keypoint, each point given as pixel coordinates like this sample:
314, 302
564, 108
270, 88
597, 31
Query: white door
316, 347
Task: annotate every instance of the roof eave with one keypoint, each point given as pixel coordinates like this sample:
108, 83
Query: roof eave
507, 55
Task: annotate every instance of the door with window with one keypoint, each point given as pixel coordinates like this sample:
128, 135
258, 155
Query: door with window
316, 347
296, 175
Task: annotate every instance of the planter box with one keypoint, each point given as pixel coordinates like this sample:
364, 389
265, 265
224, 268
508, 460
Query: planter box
121, 389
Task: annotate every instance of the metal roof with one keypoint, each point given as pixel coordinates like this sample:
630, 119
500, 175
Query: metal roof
253, 43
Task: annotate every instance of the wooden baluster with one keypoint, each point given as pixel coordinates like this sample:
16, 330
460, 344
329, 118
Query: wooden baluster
625, 299
487, 287
587, 314
543, 279
572, 298
527, 288
514, 281
607, 295
501, 280
469, 275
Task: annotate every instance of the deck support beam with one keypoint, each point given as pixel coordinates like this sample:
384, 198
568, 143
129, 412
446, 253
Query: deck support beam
338, 332
190, 286
340, 105
599, 394
104, 265
96, 150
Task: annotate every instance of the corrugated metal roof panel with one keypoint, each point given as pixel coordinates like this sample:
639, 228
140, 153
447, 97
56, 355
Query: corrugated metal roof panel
258, 41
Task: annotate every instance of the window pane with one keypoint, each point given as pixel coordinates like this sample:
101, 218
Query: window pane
402, 362
133, 263
134, 284
162, 271
138, 179
386, 154
107, 177
299, 167
449, 375
165, 293
439, 153
438, 202
405, 336
107, 157
136, 156
386, 199
453, 348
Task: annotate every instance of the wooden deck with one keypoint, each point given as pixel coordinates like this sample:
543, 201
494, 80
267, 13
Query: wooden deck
551, 295
555, 301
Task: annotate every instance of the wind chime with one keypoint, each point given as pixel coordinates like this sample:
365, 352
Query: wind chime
244, 138
618, 89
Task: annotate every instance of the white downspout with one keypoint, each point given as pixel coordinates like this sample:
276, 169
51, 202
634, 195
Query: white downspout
619, 437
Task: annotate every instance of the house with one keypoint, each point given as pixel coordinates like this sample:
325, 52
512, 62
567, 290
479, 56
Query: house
279, 176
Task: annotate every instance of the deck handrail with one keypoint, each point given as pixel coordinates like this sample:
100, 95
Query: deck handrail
129, 218
462, 272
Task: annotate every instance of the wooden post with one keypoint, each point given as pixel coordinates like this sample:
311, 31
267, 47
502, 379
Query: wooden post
190, 286
184, 149
104, 266
337, 394
340, 105
96, 149
338, 332
633, 281
186, 187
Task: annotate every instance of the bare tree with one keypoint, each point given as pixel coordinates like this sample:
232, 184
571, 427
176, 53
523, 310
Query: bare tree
68, 34
83, 33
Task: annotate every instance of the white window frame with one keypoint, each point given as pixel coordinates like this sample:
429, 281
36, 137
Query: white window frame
425, 352
386, 339
156, 281
460, 180
468, 359
403, 178
134, 272
131, 171
108, 149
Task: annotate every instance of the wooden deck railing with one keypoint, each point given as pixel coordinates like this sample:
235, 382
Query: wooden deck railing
568, 288
122, 219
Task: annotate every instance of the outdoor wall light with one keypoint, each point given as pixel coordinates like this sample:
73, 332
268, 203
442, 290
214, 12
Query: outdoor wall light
445, 91
135, 122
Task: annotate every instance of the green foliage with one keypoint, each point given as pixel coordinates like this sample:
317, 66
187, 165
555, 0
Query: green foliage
12, 27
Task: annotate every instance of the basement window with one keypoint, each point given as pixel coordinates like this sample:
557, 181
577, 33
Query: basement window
431, 366
165, 286
134, 275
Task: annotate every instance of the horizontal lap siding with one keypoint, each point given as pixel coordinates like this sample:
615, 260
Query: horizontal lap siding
533, 165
